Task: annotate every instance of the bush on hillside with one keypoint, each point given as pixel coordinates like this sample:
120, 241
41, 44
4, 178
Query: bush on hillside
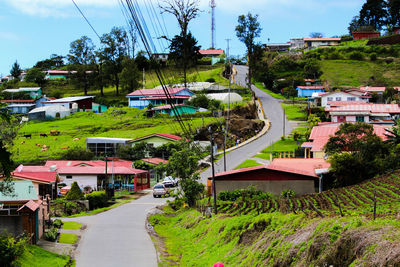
356, 55
77, 153
210, 80
10, 248
373, 57
51, 235
75, 193
97, 199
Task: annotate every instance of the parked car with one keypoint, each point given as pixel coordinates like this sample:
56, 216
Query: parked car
169, 181
160, 190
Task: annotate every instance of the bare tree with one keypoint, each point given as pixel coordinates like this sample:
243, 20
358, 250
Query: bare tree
183, 10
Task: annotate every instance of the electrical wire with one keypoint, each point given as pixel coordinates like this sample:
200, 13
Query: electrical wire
83, 15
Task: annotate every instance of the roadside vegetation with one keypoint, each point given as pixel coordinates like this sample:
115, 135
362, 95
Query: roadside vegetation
35, 256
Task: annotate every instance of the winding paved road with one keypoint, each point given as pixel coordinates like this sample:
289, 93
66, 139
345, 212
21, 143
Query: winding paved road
272, 110
118, 237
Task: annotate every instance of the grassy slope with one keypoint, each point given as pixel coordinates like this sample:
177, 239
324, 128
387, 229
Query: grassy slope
241, 236
353, 73
275, 239
280, 146
81, 125
248, 163
295, 112
66, 238
35, 256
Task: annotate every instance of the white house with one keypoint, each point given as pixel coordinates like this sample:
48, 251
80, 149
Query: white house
349, 96
226, 97
49, 112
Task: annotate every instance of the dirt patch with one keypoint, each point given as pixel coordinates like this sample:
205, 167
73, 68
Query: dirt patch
250, 235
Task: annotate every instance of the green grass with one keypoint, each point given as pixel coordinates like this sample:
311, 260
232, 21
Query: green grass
190, 239
71, 225
354, 73
35, 256
295, 112
68, 238
280, 146
354, 43
133, 124
261, 86
248, 163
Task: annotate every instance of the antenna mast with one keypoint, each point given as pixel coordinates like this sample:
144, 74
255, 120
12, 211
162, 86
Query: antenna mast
213, 5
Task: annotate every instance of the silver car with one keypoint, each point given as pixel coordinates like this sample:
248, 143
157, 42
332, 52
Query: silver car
160, 190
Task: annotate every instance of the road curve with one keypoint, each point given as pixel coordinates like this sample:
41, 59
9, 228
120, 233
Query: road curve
272, 110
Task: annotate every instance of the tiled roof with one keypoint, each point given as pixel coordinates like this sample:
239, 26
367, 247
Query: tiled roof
99, 170
90, 163
165, 97
154, 92
45, 177
369, 107
341, 103
296, 166
372, 89
31, 205
155, 161
321, 39
18, 101
211, 52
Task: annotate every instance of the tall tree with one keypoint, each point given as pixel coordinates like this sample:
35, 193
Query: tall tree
82, 58
247, 31
394, 12
183, 10
35, 75
112, 53
16, 70
184, 51
54, 62
129, 75
374, 13
316, 35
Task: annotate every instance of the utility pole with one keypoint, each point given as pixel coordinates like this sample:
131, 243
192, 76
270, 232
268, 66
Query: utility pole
229, 103
213, 5
284, 120
212, 168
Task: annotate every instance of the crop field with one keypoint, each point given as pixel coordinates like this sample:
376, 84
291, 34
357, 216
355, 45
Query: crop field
351, 200
74, 130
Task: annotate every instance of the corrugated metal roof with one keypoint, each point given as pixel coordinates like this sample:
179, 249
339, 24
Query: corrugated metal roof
23, 190
154, 92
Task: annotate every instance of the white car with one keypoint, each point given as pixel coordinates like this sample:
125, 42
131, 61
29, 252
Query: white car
160, 190
170, 182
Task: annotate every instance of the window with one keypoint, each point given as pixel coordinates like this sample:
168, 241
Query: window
338, 98
351, 99
69, 176
330, 98
360, 118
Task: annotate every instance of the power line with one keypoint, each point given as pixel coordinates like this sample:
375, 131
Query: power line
86, 19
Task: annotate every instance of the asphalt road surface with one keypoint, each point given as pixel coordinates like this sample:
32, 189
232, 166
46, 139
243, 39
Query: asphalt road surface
118, 237
272, 110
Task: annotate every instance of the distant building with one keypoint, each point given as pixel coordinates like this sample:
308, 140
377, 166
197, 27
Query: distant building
310, 43
212, 52
82, 103
365, 35
105, 146
348, 95
296, 174
49, 112
179, 110
296, 44
157, 139
142, 98
163, 57
34, 92
278, 47
307, 91
226, 97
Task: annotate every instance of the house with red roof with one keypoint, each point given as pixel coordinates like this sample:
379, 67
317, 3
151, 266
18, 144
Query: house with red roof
300, 175
320, 135
212, 52
368, 112
373, 89
43, 178
142, 98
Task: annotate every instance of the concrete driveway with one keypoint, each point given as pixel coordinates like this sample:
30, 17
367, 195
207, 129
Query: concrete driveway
273, 111
118, 237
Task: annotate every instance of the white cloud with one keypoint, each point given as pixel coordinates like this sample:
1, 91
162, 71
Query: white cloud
56, 8
10, 36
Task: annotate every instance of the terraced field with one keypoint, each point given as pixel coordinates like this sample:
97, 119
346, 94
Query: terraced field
352, 200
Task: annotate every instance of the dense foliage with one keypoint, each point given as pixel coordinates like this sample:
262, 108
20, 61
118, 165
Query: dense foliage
97, 199
10, 248
75, 193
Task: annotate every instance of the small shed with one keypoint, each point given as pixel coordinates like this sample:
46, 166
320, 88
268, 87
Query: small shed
226, 97
49, 112
83, 103
180, 109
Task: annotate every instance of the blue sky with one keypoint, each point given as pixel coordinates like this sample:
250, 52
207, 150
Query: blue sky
32, 30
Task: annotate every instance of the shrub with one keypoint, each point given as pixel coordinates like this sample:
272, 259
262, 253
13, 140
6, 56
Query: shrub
10, 248
77, 153
335, 55
210, 80
97, 199
250, 193
75, 193
356, 55
57, 223
373, 56
288, 193
51, 234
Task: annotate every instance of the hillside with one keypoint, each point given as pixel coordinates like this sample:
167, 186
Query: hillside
118, 123
279, 232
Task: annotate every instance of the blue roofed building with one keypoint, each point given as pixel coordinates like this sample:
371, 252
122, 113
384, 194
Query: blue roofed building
307, 91
142, 98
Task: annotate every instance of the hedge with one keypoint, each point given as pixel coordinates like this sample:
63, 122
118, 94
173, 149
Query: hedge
97, 199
